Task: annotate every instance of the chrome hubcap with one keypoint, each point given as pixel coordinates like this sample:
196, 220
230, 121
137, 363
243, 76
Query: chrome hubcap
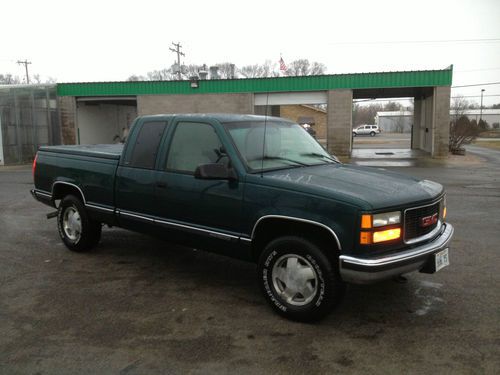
295, 279
72, 224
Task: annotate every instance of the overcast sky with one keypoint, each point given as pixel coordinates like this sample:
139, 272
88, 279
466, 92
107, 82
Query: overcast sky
111, 40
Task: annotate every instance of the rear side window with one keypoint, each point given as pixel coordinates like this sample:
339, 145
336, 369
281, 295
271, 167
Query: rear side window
146, 145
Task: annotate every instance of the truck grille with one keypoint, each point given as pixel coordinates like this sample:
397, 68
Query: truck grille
413, 221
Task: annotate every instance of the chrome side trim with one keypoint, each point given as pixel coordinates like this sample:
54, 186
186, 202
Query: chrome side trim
441, 242
43, 194
99, 208
211, 232
245, 239
70, 184
119, 212
299, 220
178, 225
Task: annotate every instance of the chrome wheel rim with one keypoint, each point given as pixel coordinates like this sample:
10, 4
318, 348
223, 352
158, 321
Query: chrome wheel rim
295, 280
72, 223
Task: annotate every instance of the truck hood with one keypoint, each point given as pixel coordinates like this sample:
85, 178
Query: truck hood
376, 188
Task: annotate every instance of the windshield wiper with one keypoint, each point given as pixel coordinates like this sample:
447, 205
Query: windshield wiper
280, 158
316, 154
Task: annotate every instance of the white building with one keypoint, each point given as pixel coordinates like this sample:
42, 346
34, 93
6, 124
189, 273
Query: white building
402, 121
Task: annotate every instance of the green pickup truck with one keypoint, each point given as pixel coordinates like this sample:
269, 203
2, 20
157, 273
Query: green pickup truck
256, 188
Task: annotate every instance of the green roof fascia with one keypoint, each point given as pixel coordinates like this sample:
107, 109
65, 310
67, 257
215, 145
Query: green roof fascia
424, 78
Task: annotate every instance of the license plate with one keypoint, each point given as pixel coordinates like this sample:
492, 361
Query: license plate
442, 259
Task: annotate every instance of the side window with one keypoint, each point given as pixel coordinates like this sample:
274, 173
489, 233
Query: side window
193, 144
146, 145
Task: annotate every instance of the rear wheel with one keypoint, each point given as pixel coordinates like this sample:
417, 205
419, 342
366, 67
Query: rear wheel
298, 280
78, 232
372, 134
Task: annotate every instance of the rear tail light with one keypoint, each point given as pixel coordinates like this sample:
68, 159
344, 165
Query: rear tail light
33, 168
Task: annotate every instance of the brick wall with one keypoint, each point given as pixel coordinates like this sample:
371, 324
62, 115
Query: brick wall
67, 113
198, 103
293, 112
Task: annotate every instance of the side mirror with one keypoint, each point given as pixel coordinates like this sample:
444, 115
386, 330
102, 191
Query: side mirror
214, 171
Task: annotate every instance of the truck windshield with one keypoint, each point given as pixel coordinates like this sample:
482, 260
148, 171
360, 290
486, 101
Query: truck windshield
284, 145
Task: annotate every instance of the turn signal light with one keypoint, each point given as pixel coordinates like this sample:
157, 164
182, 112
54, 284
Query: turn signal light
366, 221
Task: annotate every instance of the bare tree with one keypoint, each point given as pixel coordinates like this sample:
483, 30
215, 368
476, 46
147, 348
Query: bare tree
303, 67
161, 75
9, 79
251, 71
135, 78
226, 70
365, 114
462, 130
267, 69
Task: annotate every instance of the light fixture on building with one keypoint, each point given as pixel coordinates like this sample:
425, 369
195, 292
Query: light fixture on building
194, 82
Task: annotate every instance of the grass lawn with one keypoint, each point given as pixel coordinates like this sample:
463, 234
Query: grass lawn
488, 144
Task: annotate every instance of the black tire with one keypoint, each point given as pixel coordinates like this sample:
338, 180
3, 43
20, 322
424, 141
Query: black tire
372, 134
353, 134
72, 212
302, 306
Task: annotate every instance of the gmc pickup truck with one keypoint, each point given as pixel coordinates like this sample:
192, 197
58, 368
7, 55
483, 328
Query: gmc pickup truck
256, 188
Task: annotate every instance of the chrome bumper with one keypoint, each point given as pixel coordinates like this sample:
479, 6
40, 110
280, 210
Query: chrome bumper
43, 197
369, 270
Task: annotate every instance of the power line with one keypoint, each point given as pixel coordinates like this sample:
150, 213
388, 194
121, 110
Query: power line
479, 40
477, 84
473, 96
475, 70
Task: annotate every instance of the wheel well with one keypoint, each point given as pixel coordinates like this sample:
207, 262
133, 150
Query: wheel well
60, 190
269, 229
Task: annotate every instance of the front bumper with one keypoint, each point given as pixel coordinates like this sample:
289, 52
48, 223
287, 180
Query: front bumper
369, 270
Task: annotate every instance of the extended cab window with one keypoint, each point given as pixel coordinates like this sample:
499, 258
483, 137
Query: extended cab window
146, 145
193, 143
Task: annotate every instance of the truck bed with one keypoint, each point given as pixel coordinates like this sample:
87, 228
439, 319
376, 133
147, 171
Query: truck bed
111, 151
89, 168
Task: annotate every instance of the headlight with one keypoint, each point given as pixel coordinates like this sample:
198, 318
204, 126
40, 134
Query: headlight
380, 220
369, 223
387, 218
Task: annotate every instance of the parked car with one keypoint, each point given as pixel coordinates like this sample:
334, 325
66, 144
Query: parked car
370, 130
256, 188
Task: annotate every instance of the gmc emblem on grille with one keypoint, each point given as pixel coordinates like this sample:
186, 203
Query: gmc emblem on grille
428, 220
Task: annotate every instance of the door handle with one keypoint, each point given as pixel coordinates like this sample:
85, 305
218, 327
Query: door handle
161, 185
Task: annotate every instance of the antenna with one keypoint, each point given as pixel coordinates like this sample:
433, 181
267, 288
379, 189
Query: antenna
264, 138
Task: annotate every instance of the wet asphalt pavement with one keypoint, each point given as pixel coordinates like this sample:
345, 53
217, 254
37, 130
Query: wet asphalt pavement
137, 305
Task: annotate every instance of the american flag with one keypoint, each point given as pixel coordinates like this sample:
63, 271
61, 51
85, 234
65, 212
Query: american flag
282, 64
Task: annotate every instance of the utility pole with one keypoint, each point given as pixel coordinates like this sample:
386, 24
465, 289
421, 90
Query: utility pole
177, 50
25, 63
481, 110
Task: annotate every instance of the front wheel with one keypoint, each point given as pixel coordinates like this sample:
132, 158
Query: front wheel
298, 280
78, 232
353, 134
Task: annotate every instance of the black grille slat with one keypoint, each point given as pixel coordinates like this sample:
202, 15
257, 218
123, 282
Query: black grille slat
413, 217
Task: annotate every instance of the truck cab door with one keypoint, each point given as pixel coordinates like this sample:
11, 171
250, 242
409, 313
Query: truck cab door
204, 209
136, 174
